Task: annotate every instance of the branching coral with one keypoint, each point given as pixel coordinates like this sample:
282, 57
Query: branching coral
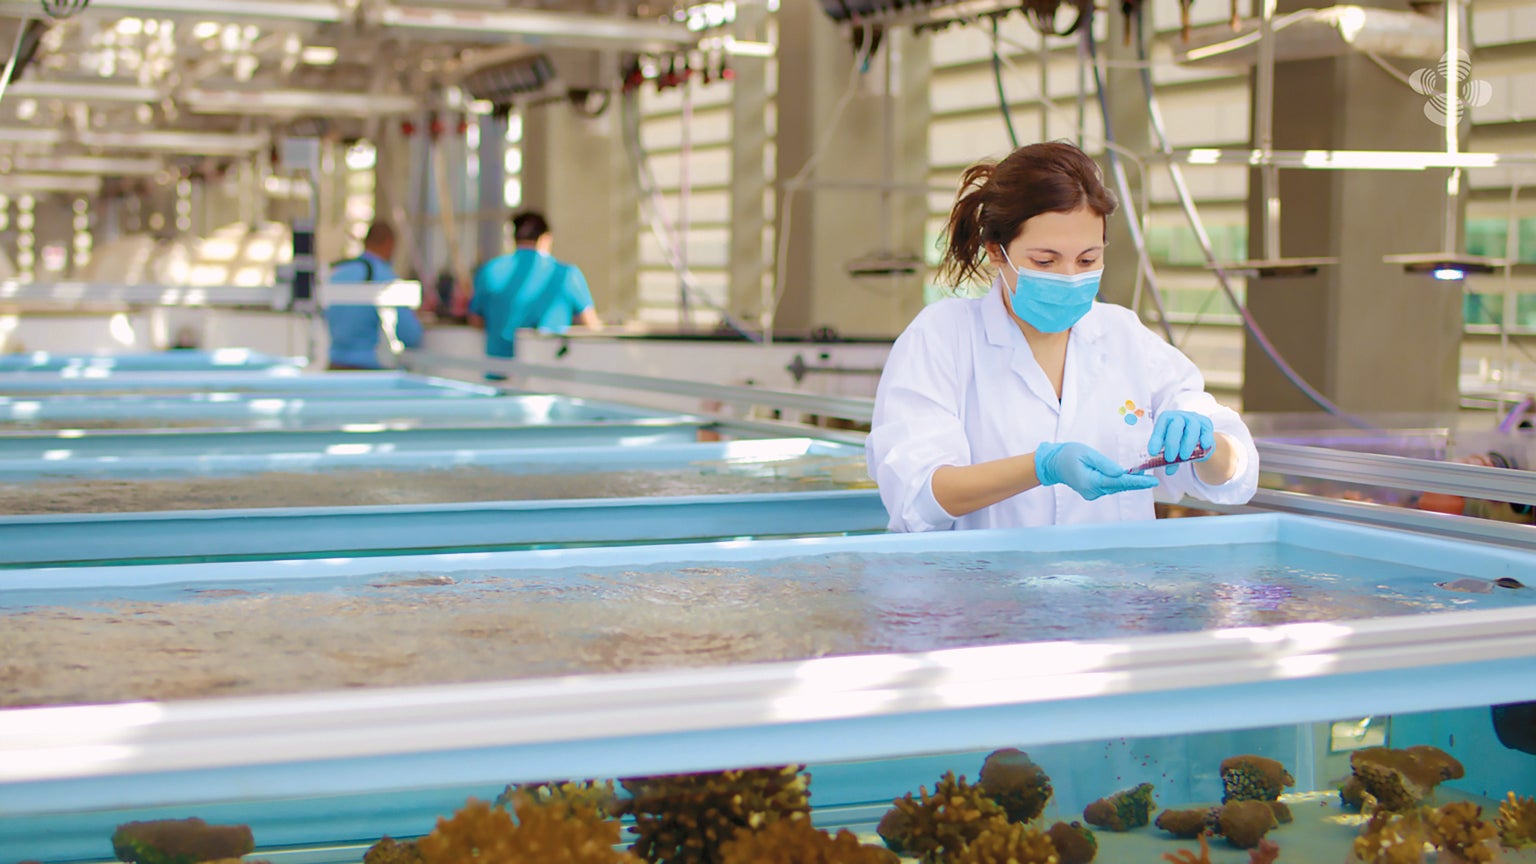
391, 851
1184, 856
1074, 842
1267, 852
180, 841
933, 826
1008, 843
599, 797
1459, 829
798, 841
1253, 778
1122, 811
685, 818
1392, 838
550, 832
1018, 784
1517, 821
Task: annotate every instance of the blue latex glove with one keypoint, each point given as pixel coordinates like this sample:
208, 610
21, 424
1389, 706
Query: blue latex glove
1085, 470
1176, 434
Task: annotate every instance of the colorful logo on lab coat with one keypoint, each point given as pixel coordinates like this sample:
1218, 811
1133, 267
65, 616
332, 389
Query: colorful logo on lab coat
1131, 413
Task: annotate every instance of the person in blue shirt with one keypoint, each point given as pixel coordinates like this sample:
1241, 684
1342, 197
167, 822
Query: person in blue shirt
355, 329
529, 288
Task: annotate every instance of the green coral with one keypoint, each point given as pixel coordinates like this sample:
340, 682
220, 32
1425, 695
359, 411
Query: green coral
1122, 811
180, 841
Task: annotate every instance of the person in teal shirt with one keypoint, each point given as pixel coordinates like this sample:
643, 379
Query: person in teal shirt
528, 288
355, 328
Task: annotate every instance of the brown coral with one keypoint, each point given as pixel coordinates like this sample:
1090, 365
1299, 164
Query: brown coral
554, 832
1458, 828
1244, 823
185, 839
1188, 824
391, 851
589, 794
1018, 784
1122, 811
1253, 778
1517, 821
1392, 838
1008, 843
932, 827
685, 818
798, 841
1282, 812
1184, 856
1074, 842
1400, 779
1352, 795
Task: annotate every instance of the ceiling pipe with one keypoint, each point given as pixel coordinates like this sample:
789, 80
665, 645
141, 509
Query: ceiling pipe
547, 29
119, 166
12, 184
188, 142
296, 102
29, 135
84, 91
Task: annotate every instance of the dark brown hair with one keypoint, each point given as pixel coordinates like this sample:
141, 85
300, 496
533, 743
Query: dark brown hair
997, 198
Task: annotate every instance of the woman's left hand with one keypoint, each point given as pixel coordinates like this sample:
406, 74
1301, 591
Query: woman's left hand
1176, 435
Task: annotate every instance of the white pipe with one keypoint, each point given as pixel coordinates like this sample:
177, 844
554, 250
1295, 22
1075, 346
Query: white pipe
283, 102
566, 28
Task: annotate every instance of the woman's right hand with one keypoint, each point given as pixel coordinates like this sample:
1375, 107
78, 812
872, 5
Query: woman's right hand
1085, 471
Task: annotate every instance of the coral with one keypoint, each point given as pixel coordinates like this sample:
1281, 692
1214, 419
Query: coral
1253, 778
1074, 842
1019, 785
1400, 779
935, 826
1122, 811
1189, 824
1008, 843
1517, 821
544, 832
686, 817
1244, 823
1184, 856
798, 841
1267, 852
391, 851
1392, 838
1282, 812
1352, 795
180, 841
1458, 828
598, 796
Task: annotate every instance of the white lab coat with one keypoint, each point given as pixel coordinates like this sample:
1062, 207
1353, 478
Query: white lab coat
962, 387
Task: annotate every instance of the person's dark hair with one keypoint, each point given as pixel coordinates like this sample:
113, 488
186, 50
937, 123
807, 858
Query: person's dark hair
996, 199
528, 227
379, 234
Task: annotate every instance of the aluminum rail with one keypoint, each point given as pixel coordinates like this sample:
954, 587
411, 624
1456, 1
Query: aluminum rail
848, 408
1399, 472
1418, 522
400, 292
1356, 160
537, 27
263, 12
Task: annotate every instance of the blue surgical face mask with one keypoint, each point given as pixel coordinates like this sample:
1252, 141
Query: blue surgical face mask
1052, 302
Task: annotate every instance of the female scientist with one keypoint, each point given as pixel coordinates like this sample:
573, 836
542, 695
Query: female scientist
1032, 405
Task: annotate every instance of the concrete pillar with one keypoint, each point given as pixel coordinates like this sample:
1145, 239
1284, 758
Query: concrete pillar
837, 215
751, 262
575, 172
1369, 336
392, 177
491, 221
1131, 124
